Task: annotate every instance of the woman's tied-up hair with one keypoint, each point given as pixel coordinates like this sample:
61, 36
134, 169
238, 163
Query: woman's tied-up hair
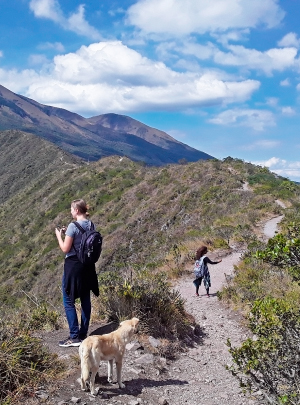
81, 205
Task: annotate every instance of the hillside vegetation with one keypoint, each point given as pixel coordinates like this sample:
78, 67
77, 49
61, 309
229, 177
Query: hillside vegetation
151, 218
266, 288
25, 158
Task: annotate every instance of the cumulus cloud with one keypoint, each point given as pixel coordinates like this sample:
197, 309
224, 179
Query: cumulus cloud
76, 22
18, 81
177, 17
273, 59
290, 169
109, 76
290, 39
255, 119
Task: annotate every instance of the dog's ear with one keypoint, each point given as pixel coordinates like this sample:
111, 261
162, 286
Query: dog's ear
135, 321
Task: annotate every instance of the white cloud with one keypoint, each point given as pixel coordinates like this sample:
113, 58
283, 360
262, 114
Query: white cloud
202, 52
272, 101
177, 17
78, 24
272, 59
38, 59
275, 59
56, 46
109, 76
237, 35
288, 110
290, 39
117, 11
18, 81
255, 119
262, 144
267, 144
285, 82
282, 167
47, 9
51, 10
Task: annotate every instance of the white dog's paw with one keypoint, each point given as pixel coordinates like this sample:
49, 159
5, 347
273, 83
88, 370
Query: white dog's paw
84, 385
121, 385
95, 392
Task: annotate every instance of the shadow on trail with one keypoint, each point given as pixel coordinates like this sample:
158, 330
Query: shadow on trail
107, 328
135, 387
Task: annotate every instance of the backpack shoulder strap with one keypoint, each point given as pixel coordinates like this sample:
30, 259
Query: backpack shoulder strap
79, 227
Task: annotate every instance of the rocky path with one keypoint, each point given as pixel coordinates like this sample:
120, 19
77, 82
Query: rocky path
197, 377
213, 383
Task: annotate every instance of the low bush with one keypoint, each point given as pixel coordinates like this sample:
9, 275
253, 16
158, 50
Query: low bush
149, 297
283, 251
271, 361
266, 286
25, 363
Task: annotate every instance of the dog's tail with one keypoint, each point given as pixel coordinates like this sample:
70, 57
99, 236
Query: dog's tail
85, 364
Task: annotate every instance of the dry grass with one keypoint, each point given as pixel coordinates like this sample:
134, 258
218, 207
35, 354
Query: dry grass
24, 363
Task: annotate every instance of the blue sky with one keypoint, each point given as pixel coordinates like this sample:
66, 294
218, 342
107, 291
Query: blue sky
222, 76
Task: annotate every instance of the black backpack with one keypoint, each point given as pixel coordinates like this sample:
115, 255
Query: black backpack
90, 246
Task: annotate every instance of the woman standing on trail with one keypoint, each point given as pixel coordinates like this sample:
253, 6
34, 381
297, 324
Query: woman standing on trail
201, 270
78, 278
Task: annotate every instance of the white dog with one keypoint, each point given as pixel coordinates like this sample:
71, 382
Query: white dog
108, 347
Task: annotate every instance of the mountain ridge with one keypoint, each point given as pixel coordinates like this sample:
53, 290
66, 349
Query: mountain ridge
94, 137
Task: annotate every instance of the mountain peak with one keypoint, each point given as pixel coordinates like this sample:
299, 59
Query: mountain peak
95, 137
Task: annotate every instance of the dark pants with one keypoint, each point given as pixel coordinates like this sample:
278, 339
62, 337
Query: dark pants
197, 282
69, 304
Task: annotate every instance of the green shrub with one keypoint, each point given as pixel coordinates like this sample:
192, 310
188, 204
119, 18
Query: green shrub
271, 361
25, 363
149, 297
219, 243
283, 251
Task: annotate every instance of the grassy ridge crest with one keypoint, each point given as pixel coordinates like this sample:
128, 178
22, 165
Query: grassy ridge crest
150, 217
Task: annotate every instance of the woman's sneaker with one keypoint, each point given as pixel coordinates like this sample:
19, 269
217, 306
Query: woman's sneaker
69, 342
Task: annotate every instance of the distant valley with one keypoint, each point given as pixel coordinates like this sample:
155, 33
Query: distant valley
95, 137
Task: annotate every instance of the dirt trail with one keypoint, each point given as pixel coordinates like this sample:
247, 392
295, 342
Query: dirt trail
213, 382
197, 377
